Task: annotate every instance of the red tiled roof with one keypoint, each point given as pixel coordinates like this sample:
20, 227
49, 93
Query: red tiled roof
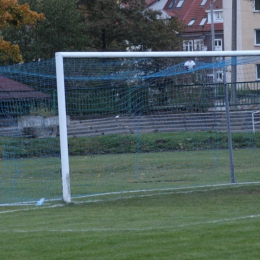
11, 89
192, 9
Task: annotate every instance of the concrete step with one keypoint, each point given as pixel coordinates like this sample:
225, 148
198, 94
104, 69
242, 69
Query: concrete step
240, 121
10, 131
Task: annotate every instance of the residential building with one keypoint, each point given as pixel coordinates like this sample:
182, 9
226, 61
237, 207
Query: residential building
196, 17
248, 33
199, 34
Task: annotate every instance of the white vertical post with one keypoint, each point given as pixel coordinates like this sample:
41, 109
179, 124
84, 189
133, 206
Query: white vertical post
63, 128
212, 26
213, 42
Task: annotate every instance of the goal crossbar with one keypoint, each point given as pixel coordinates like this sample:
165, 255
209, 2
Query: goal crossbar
155, 54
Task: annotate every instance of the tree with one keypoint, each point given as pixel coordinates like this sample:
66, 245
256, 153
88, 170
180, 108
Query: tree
62, 30
77, 25
114, 25
14, 15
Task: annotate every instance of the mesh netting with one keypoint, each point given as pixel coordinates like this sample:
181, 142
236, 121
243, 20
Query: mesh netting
133, 124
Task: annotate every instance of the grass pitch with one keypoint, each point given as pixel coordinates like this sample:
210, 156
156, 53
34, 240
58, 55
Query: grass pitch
167, 222
29, 179
213, 223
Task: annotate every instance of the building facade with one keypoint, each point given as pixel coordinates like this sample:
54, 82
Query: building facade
196, 17
248, 33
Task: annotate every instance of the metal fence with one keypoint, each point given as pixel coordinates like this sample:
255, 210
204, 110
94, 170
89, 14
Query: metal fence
127, 100
149, 98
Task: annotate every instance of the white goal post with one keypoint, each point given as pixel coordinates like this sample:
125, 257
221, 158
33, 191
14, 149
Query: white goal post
62, 99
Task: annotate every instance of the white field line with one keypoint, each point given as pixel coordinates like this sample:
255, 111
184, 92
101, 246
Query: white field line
162, 192
217, 221
31, 208
174, 190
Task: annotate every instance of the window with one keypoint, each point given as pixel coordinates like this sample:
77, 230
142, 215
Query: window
198, 45
203, 21
192, 21
218, 44
258, 71
180, 3
194, 45
203, 2
219, 15
257, 37
219, 76
171, 4
188, 45
257, 5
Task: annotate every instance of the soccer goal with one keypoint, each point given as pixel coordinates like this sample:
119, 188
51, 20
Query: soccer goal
113, 123
158, 120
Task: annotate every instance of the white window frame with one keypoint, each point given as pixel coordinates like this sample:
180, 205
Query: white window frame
192, 21
257, 31
218, 15
215, 77
218, 45
180, 3
219, 76
203, 21
203, 2
188, 45
198, 45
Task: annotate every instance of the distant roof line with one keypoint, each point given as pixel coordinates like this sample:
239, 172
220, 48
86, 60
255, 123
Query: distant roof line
11, 89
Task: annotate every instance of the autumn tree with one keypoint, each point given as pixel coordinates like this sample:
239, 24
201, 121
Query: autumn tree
14, 15
96, 25
61, 30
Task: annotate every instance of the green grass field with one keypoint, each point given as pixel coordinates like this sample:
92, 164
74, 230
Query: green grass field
187, 208
33, 178
213, 223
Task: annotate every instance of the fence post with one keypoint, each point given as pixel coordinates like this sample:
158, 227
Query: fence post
54, 101
231, 161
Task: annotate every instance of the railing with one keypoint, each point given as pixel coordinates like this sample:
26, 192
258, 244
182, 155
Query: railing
124, 99
253, 120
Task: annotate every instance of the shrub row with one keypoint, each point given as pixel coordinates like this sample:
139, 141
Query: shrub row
115, 144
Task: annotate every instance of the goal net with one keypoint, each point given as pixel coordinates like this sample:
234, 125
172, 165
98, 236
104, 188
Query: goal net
130, 122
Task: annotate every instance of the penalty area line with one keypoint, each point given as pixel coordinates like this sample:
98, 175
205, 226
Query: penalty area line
31, 208
71, 230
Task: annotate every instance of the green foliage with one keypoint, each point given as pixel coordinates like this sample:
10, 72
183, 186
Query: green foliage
61, 30
28, 148
113, 144
115, 25
73, 25
41, 110
145, 143
13, 15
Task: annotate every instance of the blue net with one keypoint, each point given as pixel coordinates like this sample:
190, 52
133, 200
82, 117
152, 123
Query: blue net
133, 124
